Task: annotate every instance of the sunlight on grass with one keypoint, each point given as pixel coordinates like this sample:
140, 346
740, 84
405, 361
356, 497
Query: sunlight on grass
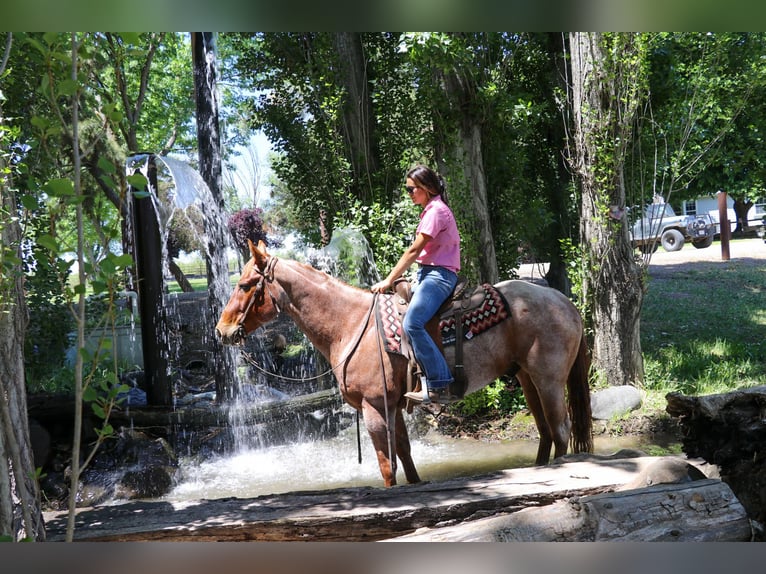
702, 329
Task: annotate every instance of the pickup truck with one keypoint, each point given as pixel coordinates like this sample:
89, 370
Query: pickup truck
659, 225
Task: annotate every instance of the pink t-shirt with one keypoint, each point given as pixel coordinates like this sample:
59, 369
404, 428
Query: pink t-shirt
438, 222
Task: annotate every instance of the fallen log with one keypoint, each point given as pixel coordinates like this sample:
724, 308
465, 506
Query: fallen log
728, 430
699, 511
351, 514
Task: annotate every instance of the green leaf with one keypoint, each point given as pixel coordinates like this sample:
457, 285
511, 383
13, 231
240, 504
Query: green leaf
89, 394
133, 38
137, 181
85, 354
124, 260
105, 165
99, 410
67, 87
48, 242
35, 44
29, 202
59, 187
107, 266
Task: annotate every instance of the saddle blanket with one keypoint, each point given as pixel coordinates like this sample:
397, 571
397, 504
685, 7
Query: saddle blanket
491, 310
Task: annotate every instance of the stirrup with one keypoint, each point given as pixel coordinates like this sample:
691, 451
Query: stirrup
438, 396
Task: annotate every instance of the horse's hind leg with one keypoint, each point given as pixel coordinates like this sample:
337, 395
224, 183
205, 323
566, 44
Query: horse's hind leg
383, 441
403, 449
536, 408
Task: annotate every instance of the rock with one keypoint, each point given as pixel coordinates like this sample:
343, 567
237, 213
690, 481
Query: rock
152, 482
614, 402
665, 471
40, 440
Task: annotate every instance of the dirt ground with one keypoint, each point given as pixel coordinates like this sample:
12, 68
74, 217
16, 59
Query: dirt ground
647, 421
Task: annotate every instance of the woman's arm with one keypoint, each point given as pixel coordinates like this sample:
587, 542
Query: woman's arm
407, 259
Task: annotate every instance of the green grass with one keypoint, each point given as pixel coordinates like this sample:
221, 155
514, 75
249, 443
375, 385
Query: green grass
703, 329
196, 272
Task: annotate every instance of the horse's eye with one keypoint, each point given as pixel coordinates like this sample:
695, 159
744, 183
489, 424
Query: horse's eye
245, 287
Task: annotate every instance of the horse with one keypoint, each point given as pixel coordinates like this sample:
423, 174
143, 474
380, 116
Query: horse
542, 339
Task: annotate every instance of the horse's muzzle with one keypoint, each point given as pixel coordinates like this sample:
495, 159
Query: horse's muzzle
231, 334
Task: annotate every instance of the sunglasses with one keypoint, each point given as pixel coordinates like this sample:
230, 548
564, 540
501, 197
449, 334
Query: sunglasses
410, 189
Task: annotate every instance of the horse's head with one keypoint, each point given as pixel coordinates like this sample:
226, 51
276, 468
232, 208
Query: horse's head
251, 304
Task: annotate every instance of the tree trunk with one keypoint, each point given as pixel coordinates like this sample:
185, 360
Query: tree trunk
358, 125
558, 180
209, 146
729, 430
471, 160
20, 510
179, 276
469, 174
699, 511
604, 103
740, 210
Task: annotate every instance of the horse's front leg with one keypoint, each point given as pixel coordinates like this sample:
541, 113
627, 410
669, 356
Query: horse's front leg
383, 439
403, 449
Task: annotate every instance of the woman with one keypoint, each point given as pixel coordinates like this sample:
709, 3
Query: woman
437, 250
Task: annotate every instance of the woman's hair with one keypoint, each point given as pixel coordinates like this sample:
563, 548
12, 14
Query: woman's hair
429, 179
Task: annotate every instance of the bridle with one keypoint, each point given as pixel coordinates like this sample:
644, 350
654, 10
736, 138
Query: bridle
265, 277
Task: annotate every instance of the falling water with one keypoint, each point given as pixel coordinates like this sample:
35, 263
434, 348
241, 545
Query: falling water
348, 257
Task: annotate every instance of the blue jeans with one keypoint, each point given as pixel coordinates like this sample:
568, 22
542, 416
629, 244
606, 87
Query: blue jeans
435, 284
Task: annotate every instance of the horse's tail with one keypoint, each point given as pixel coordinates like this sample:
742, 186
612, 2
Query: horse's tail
579, 400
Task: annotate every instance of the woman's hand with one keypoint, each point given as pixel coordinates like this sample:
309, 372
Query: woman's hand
381, 286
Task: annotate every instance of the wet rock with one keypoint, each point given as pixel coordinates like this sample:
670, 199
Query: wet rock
614, 402
151, 482
40, 440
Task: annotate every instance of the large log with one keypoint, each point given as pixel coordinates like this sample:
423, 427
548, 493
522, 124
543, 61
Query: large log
352, 514
728, 430
700, 511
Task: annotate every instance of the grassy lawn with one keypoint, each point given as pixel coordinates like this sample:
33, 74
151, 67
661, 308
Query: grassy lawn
195, 272
703, 327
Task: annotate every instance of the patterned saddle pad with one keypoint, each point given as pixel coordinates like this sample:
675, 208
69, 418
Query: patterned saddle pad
488, 308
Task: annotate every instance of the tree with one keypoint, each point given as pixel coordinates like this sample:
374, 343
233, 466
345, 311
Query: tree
608, 82
700, 130
244, 225
20, 509
210, 159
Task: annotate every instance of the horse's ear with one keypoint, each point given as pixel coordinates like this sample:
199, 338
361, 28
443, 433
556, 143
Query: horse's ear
258, 253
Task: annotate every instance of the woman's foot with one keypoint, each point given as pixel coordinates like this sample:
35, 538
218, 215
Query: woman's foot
440, 396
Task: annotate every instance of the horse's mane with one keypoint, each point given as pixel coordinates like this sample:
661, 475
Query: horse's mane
326, 278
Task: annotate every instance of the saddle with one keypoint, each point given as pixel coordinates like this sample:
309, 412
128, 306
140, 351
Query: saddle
448, 326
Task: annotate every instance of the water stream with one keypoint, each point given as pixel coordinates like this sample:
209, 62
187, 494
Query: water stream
333, 463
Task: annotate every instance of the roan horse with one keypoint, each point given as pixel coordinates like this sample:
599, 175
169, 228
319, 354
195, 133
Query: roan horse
542, 338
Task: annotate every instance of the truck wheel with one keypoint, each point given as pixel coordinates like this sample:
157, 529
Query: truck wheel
672, 240
702, 243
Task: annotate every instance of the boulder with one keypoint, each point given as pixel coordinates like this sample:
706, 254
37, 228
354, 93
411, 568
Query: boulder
614, 402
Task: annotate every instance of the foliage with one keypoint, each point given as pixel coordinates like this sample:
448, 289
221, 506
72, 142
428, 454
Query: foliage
502, 395
247, 224
388, 229
702, 129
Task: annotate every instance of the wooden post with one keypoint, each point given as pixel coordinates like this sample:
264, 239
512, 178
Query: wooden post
723, 217
147, 241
